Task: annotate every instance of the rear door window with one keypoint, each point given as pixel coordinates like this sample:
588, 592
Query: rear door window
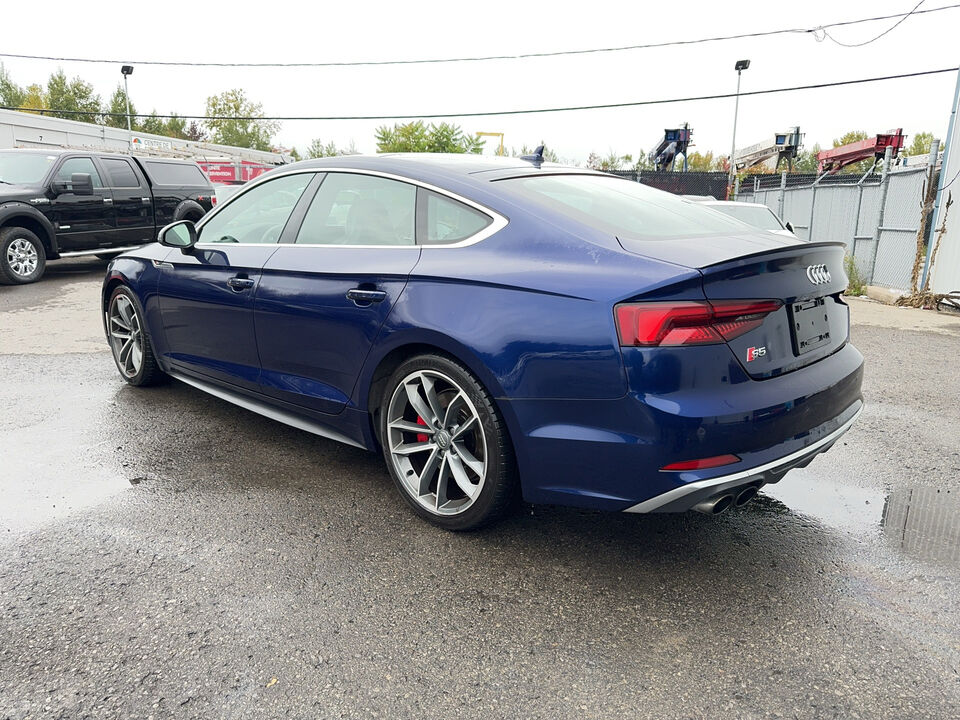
120, 173
354, 209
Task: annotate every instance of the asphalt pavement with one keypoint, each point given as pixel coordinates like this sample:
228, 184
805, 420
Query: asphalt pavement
164, 554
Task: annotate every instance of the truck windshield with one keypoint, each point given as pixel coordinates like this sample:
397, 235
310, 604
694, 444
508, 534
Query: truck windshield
24, 168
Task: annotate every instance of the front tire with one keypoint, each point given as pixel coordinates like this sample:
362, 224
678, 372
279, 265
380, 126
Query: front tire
22, 256
130, 341
446, 445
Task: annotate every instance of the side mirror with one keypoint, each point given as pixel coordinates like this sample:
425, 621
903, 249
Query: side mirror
181, 235
81, 184
789, 226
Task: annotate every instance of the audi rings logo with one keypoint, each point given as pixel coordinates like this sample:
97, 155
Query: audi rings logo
818, 274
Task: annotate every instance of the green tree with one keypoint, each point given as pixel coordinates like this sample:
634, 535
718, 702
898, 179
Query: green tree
418, 137
806, 160
702, 162
72, 99
295, 154
175, 127
921, 144
608, 162
153, 124
11, 94
35, 98
318, 150
643, 161
242, 123
118, 104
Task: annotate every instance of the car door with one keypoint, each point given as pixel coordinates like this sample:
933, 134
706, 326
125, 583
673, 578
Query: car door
322, 300
83, 222
206, 294
132, 203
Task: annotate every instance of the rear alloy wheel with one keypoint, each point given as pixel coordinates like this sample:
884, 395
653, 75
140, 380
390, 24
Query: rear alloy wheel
445, 444
22, 257
130, 341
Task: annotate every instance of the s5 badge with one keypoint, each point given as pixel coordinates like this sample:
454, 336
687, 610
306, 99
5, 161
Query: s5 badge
754, 352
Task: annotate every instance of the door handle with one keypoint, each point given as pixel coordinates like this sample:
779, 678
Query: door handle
366, 296
108, 200
240, 283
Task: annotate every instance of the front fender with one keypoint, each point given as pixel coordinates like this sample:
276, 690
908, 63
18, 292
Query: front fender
9, 211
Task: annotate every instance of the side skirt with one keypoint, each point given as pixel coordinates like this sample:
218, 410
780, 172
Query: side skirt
262, 408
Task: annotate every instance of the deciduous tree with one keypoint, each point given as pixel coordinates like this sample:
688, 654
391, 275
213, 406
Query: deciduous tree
418, 137
241, 121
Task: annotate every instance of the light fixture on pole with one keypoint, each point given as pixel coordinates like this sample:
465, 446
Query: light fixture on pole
739, 67
127, 71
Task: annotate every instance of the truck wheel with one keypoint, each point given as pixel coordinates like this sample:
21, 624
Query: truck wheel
22, 257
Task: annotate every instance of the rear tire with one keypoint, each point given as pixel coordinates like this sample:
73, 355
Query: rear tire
130, 340
446, 445
22, 256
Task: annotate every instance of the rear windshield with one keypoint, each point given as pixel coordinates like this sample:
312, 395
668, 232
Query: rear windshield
760, 217
167, 173
624, 208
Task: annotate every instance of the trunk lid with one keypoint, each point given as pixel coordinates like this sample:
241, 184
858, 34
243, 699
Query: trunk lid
813, 321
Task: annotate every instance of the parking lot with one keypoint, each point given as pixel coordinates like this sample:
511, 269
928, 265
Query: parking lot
166, 554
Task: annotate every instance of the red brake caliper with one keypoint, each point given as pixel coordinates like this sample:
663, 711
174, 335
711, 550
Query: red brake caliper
421, 437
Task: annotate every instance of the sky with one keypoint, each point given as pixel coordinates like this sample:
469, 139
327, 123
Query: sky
282, 31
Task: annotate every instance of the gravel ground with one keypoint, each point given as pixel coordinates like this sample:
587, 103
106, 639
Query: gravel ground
166, 555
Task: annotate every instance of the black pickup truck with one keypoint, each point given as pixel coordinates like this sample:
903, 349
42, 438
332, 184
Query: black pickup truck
64, 203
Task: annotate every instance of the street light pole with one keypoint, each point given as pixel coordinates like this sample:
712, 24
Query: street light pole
739, 67
127, 71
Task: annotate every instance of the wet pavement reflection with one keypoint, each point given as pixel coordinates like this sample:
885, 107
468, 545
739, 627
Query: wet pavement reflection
923, 523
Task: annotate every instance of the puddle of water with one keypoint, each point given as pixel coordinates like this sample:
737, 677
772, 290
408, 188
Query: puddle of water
921, 522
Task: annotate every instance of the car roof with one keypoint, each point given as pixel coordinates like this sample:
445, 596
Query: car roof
98, 153
427, 167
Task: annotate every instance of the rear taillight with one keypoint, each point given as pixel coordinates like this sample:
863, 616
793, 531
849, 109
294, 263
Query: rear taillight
689, 322
701, 463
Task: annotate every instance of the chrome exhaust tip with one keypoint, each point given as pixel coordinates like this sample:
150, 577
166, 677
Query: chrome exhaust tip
714, 505
746, 495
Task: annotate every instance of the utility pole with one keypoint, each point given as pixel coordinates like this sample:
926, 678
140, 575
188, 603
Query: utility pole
739, 67
948, 150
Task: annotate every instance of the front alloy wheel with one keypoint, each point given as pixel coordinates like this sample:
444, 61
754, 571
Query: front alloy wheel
445, 445
129, 339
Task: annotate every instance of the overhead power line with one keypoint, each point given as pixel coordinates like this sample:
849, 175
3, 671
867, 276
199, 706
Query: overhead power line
873, 39
432, 116
482, 58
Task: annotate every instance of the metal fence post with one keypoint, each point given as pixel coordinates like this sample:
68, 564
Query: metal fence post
783, 190
884, 188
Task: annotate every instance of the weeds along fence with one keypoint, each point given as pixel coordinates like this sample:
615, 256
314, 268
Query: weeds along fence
877, 216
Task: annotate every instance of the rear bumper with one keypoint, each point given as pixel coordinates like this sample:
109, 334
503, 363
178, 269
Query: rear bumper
684, 497
607, 454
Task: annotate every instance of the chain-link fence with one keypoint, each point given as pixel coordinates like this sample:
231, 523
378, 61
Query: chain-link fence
702, 184
877, 216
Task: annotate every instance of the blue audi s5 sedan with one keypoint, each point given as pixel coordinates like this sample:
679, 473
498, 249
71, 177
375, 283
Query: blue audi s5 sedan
501, 328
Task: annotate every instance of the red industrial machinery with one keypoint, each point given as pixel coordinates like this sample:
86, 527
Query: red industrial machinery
832, 161
232, 172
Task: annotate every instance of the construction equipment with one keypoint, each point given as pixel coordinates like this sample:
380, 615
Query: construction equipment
494, 134
772, 151
833, 160
674, 142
